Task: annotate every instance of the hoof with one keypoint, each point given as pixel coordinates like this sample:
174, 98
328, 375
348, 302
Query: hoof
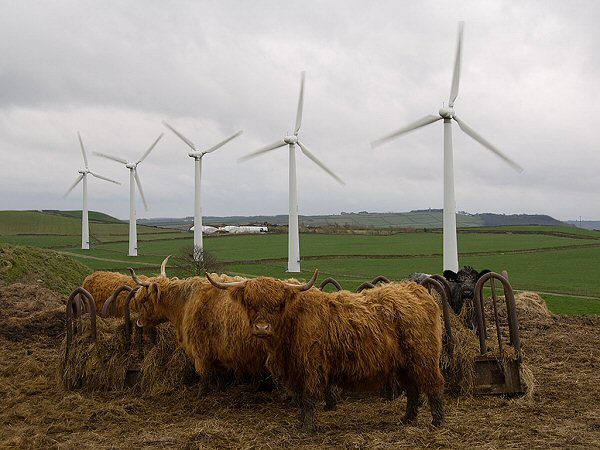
330, 407
407, 420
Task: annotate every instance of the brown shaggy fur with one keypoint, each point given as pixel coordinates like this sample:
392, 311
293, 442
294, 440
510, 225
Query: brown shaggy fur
352, 340
102, 284
212, 329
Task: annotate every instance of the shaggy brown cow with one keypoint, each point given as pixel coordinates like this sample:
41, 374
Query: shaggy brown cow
315, 339
212, 329
102, 284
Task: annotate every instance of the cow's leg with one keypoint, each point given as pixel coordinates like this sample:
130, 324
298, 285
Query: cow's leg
436, 403
307, 413
412, 401
203, 385
330, 399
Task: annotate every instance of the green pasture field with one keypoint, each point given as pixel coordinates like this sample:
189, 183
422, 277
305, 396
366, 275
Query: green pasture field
543, 263
562, 263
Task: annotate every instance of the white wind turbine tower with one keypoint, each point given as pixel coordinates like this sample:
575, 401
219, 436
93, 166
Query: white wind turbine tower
447, 113
197, 155
291, 141
133, 180
85, 228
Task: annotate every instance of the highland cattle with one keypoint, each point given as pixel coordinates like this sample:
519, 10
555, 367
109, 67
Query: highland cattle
316, 339
211, 327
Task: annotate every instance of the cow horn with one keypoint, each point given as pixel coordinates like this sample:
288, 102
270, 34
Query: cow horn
229, 284
305, 286
137, 280
163, 267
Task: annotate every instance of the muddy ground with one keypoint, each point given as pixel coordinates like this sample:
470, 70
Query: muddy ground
35, 412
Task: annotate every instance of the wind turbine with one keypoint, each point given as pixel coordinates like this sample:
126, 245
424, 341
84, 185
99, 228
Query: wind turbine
133, 180
197, 155
291, 141
447, 113
85, 228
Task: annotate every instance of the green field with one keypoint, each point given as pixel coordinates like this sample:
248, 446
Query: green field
562, 263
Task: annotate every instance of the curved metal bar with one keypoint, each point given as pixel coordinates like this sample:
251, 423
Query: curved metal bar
79, 296
511, 309
365, 285
330, 280
379, 279
433, 282
447, 289
111, 303
127, 316
141, 342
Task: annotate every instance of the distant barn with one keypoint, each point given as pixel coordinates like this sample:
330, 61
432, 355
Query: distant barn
234, 229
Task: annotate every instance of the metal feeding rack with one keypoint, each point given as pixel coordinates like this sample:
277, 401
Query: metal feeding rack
498, 373
82, 302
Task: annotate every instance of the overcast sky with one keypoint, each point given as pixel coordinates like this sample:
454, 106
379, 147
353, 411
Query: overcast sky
113, 70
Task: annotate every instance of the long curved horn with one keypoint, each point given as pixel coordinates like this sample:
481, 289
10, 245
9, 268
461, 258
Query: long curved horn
305, 286
137, 280
229, 284
163, 267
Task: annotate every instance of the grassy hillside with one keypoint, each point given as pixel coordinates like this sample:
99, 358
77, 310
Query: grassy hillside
45, 267
93, 216
60, 229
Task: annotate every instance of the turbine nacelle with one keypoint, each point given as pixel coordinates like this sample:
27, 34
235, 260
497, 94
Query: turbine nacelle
83, 171
446, 112
196, 155
292, 139
131, 166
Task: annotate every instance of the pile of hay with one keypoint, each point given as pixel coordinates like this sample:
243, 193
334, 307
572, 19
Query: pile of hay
457, 361
100, 365
30, 313
459, 366
165, 366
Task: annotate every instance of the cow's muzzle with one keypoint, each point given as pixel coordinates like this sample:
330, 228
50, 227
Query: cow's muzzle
262, 330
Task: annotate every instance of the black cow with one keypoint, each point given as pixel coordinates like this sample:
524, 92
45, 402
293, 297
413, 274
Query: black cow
462, 289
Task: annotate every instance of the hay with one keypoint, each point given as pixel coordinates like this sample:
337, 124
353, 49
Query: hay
459, 366
30, 313
165, 366
99, 365
530, 306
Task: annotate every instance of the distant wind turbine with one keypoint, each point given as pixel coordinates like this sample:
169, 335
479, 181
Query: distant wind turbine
291, 141
85, 228
133, 180
447, 113
197, 155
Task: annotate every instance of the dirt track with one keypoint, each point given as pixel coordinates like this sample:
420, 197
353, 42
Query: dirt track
564, 411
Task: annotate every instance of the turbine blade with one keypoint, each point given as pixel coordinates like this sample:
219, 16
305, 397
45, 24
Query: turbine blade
457, 61
300, 104
114, 158
307, 152
85, 160
150, 148
267, 148
413, 126
104, 178
181, 136
468, 130
79, 178
139, 185
222, 143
